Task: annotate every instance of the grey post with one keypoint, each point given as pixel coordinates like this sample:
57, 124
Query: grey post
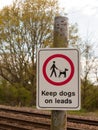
59, 117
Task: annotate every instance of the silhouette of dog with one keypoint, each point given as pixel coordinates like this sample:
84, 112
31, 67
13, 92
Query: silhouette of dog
63, 73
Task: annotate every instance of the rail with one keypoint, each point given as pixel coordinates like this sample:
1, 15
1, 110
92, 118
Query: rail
30, 120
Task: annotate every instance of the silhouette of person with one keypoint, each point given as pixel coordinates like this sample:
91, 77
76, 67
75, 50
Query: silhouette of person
53, 68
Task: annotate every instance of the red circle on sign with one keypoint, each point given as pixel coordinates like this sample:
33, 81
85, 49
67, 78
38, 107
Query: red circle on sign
65, 58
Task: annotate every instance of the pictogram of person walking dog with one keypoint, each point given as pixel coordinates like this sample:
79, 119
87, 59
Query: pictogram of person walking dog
53, 69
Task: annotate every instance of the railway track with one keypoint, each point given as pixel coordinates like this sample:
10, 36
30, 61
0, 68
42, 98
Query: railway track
33, 120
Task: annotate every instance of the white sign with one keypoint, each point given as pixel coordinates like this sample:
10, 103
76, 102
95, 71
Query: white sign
58, 79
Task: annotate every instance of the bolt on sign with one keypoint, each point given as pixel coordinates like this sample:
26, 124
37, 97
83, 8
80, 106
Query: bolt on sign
58, 79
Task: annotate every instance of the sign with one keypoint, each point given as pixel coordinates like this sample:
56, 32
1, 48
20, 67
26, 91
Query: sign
58, 79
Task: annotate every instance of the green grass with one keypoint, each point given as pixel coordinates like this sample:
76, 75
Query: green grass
83, 112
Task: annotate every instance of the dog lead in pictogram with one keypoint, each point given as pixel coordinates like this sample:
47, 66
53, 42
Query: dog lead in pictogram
54, 68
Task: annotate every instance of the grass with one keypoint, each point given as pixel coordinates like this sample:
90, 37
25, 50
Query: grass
83, 112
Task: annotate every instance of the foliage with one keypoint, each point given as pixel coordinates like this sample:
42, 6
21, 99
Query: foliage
14, 95
89, 77
89, 96
24, 27
74, 39
89, 73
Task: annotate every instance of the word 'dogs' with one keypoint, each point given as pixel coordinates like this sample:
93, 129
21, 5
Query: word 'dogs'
61, 93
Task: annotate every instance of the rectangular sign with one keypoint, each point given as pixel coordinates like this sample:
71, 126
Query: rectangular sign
58, 79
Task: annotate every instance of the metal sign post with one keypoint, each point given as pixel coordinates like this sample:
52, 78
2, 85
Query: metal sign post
59, 117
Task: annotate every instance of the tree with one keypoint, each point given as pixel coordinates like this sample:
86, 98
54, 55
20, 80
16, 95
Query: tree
89, 62
14, 95
24, 27
74, 38
89, 71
